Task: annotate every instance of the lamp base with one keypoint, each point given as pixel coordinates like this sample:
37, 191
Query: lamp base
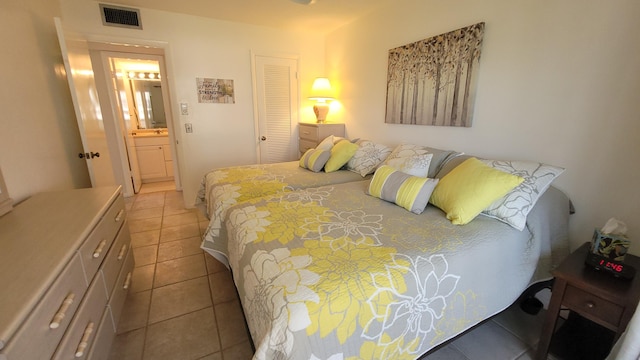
321, 111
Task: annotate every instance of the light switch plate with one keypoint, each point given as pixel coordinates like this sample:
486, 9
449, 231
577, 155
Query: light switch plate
184, 108
188, 128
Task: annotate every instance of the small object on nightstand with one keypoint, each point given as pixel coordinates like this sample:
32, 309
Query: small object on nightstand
612, 267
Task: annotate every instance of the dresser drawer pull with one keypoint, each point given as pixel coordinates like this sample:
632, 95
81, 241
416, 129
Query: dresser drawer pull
98, 250
119, 215
84, 342
123, 252
127, 281
62, 312
590, 305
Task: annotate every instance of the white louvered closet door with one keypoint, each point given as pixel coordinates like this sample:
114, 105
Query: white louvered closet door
276, 96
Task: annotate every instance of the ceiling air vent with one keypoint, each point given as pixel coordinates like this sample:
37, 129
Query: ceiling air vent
120, 16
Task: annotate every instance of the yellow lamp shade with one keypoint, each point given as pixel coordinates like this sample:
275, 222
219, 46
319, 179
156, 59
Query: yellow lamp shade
321, 89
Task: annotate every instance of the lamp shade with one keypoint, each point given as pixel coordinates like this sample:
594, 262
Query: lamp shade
321, 89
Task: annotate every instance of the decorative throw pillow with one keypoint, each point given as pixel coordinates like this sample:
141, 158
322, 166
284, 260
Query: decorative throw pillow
326, 144
514, 207
411, 159
410, 192
469, 188
367, 158
314, 159
341, 153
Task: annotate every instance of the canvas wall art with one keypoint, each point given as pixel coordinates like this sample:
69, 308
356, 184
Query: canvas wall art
433, 81
215, 91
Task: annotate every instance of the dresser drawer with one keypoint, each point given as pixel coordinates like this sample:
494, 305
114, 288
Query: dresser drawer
116, 258
123, 284
48, 322
94, 250
104, 337
592, 307
83, 328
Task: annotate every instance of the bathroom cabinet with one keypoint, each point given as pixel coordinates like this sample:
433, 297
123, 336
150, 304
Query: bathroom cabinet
154, 158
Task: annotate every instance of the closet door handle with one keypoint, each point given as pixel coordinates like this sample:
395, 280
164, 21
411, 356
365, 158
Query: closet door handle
264, 138
62, 311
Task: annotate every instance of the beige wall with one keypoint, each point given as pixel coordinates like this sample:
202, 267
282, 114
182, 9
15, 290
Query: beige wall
559, 83
39, 139
223, 134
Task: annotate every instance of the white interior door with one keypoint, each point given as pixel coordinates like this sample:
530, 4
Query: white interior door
77, 63
276, 99
119, 89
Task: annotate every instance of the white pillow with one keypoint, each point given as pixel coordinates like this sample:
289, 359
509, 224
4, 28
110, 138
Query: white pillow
326, 144
367, 158
411, 159
514, 207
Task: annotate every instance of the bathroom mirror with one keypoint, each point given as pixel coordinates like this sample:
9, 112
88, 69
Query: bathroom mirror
148, 104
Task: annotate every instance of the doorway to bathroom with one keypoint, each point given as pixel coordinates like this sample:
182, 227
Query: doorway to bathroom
134, 86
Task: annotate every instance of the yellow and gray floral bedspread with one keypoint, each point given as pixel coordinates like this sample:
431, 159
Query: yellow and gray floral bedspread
222, 188
333, 273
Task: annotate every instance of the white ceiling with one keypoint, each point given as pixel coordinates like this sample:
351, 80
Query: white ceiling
321, 16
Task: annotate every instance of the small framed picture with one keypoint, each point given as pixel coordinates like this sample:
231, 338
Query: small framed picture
6, 203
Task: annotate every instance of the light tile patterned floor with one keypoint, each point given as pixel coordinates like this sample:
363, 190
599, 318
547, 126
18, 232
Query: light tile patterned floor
183, 304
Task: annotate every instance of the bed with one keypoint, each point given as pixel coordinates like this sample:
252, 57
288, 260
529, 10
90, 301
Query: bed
334, 272
224, 187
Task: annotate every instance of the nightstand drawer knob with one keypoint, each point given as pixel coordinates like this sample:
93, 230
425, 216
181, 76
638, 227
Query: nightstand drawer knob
591, 305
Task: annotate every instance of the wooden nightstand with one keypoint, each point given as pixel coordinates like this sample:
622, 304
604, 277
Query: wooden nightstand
594, 295
311, 134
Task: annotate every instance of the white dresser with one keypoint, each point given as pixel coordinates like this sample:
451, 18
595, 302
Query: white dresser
65, 268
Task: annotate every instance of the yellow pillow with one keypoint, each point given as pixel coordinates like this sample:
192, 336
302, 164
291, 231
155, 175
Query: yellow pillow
469, 188
341, 153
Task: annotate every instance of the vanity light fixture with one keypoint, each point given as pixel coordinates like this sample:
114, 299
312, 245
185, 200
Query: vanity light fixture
143, 75
321, 92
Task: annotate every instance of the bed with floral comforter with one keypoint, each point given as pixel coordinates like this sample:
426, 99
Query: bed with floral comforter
222, 188
333, 273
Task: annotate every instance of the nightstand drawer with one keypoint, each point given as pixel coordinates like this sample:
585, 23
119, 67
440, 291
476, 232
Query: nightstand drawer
593, 307
306, 145
309, 132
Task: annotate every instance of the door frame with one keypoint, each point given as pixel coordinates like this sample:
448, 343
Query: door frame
105, 50
295, 104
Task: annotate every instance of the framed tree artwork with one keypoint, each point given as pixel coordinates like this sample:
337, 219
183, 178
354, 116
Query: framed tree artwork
433, 81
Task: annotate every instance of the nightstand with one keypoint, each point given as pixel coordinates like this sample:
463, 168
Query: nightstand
592, 294
311, 134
